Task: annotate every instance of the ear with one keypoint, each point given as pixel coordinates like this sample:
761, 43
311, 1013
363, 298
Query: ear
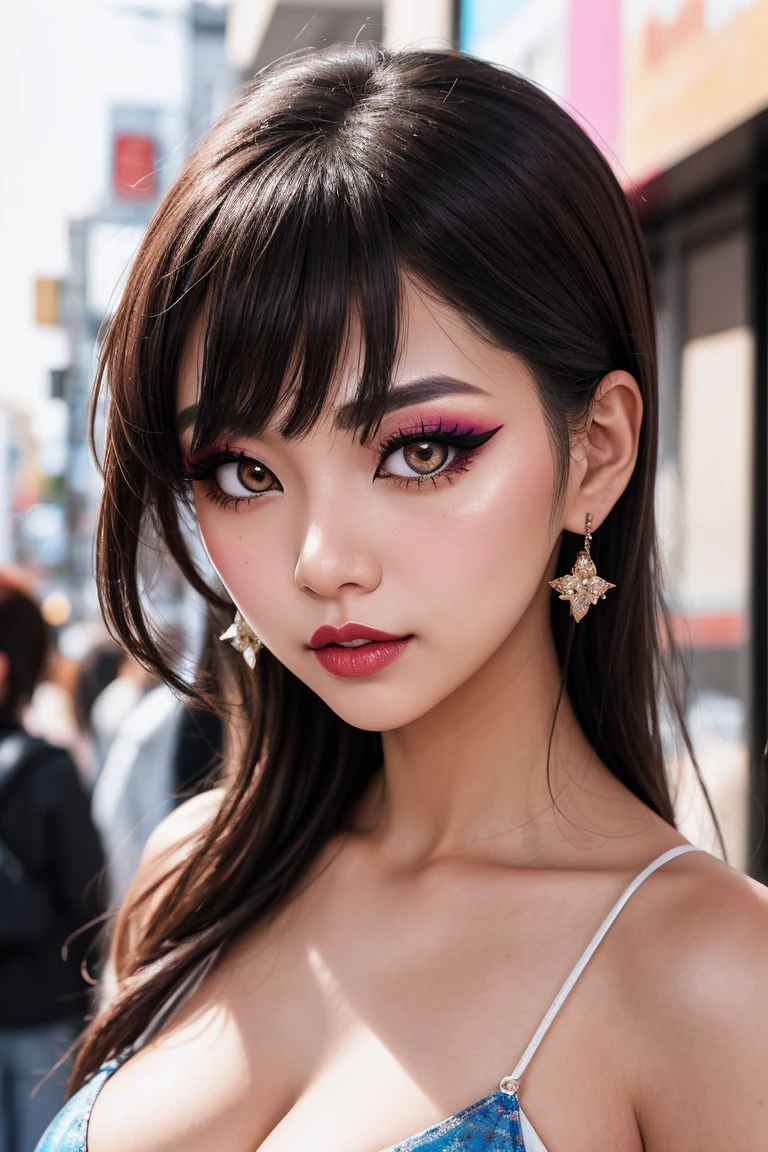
605, 453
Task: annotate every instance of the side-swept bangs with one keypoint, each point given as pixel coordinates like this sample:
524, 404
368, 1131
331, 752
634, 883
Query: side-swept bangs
295, 254
278, 258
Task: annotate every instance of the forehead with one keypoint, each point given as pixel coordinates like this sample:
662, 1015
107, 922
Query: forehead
440, 354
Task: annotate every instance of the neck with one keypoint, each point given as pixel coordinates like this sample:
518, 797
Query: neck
473, 776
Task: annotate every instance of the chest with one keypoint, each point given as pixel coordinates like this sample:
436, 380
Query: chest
349, 1029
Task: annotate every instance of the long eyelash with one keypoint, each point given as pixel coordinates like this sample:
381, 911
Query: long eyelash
223, 499
450, 436
466, 442
459, 464
202, 466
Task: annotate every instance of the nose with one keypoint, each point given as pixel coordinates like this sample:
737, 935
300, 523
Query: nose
333, 560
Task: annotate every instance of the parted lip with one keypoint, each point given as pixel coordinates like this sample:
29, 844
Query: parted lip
325, 634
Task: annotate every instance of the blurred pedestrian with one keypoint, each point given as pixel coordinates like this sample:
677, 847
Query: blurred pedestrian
115, 702
163, 750
49, 856
134, 791
97, 670
50, 712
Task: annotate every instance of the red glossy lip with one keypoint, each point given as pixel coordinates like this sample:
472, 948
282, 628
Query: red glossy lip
362, 661
382, 649
325, 634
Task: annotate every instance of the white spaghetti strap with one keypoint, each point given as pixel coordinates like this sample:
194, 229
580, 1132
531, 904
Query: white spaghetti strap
559, 1000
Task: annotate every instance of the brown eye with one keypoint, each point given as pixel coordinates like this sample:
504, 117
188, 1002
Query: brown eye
421, 458
242, 478
254, 476
426, 456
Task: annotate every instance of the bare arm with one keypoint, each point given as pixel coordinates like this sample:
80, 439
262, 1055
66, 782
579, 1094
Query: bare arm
702, 1070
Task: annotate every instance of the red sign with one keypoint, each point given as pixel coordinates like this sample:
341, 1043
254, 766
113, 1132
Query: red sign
134, 176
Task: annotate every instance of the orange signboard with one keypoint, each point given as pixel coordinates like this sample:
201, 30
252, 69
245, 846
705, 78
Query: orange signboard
693, 69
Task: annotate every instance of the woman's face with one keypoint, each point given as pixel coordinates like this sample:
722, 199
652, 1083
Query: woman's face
437, 533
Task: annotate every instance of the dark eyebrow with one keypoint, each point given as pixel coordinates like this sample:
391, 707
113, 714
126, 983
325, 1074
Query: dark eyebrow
417, 392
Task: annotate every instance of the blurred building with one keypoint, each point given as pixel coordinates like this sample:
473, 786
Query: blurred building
260, 31
695, 138
147, 138
129, 88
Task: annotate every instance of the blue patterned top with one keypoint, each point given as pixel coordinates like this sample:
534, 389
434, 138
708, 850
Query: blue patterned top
490, 1125
68, 1132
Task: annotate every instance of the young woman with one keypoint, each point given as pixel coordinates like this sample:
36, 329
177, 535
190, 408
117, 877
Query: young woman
390, 338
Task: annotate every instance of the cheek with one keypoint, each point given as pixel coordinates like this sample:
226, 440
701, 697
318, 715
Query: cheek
246, 561
479, 563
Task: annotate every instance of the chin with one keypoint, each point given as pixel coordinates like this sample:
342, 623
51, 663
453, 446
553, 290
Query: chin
373, 710
383, 703
396, 696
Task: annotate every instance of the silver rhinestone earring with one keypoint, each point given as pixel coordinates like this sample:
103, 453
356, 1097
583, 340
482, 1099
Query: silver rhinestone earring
242, 637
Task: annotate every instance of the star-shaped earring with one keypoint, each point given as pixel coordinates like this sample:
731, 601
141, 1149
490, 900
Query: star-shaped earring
582, 586
242, 637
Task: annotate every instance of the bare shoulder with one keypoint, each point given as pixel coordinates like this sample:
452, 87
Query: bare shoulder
174, 836
170, 844
704, 911
695, 984
700, 931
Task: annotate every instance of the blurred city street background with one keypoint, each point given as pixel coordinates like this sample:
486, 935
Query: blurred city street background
100, 100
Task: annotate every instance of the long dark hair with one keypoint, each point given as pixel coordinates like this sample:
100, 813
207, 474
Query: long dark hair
334, 173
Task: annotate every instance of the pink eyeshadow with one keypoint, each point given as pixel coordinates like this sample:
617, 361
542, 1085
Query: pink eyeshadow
195, 458
456, 425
